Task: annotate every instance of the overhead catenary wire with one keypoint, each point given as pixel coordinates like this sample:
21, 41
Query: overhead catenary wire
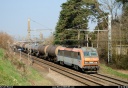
39, 23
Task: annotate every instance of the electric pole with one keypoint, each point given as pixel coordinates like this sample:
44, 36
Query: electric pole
109, 40
87, 40
29, 40
29, 35
41, 36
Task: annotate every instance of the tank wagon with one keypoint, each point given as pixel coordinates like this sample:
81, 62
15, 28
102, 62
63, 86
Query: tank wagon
48, 52
84, 58
34, 50
16, 46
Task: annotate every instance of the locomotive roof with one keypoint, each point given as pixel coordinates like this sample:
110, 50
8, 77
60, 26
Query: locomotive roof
88, 49
70, 49
79, 49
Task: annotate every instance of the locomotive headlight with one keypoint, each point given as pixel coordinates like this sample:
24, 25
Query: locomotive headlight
96, 62
90, 62
86, 62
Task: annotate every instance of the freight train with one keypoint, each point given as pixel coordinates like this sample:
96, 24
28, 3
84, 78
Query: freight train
84, 58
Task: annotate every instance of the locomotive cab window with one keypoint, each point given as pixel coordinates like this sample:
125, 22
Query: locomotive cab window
93, 53
86, 53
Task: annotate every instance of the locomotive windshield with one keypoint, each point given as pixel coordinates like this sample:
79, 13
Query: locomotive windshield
93, 53
87, 53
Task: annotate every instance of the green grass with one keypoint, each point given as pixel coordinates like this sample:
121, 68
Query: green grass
108, 70
10, 76
39, 80
1, 53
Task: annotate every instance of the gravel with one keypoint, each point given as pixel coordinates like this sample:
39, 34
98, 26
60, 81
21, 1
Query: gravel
63, 80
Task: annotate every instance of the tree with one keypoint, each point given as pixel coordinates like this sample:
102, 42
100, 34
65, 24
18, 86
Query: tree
74, 15
110, 6
49, 40
124, 5
122, 1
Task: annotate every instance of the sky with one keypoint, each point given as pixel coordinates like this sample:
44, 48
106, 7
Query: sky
44, 14
14, 16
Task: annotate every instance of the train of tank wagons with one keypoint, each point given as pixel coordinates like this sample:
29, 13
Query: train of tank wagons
84, 58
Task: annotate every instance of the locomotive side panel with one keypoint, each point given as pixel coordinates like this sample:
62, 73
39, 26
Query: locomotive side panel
77, 59
68, 58
60, 56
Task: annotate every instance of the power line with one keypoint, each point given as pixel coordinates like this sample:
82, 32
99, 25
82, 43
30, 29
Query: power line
39, 23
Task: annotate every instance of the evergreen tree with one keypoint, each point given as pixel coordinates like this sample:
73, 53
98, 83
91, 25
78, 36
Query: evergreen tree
74, 15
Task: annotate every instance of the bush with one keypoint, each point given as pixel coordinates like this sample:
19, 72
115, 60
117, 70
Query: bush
120, 61
5, 39
103, 55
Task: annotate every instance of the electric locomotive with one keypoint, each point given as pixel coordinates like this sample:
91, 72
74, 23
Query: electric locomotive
84, 58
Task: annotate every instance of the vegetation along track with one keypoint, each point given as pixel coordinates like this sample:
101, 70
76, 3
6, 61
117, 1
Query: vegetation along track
89, 80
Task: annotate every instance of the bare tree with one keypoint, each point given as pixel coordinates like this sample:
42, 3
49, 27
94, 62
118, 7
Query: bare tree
110, 6
49, 40
4, 40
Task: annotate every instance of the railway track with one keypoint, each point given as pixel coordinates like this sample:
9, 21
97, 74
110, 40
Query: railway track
86, 79
110, 79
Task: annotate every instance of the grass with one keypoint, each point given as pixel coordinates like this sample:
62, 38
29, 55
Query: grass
10, 76
1, 53
39, 80
108, 70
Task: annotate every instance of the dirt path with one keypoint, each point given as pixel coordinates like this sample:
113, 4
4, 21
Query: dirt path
63, 80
